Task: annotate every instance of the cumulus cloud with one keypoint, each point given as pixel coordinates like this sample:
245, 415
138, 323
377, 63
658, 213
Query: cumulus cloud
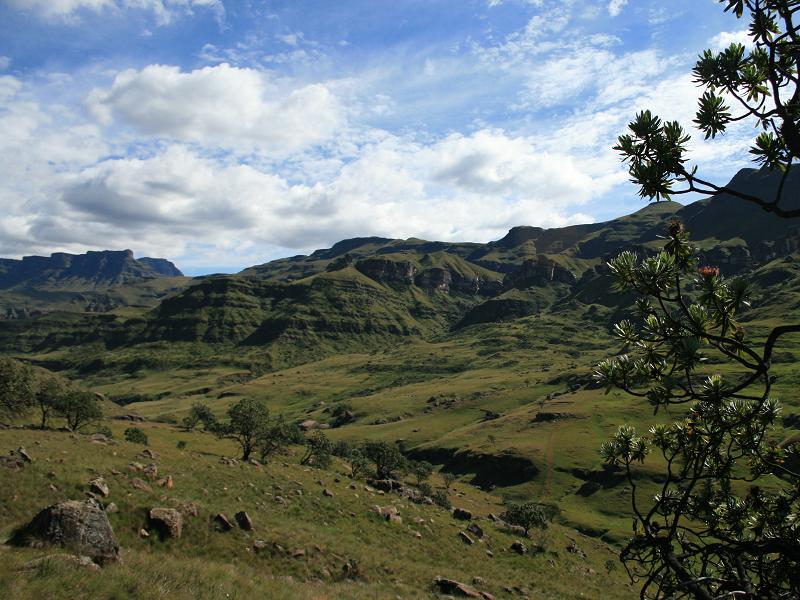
220, 106
615, 7
724, 39
68, 11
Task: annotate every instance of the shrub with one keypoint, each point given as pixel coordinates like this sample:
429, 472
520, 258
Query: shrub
441, 498
421, 470
16, 392
448, 479
527, 515
425, 489
104, 430
181, 445
135, 435
387, 458
318, 451
199, 413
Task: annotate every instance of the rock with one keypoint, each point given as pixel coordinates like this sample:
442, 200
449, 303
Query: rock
244, 520
465, 538
299, 553
166, 482
388, 510
462, 514
394, 518
479, 581
308, 424
151, 454
23, 454
384, 485
259, 545
222, 522
519, 547
82, 527
417, 535
151, 471
99, 438
141, 485
97, 485
327, 492
168, 521
231, 462
475, 529
573, 549
136, 466
82, 562
111, 508
490, 554
144, 533
188, 509
456, 588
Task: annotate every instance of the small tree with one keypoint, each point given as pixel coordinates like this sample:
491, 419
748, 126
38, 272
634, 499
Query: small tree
78, 408
199, 413
359, 464
135, 435
448, 479
387, 458
16, 389
318, 450
527, 515
274, 436
247, 420
47, 397
421, 470
441, 498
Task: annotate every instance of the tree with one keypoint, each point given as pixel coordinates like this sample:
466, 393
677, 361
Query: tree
318, 450
246, 421
273, 437
47, 397
527, 515
422, 470
448, 479
16, 391
723, 524
199, 413
78, 408
386, 457
135, 435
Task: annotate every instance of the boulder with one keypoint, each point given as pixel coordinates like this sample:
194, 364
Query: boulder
166, 482
465, 538
23, 454
475, 529
168, 522
222, 522
151, 471
456, 588
519, 547
309, 424
462, 514
97, 485
141, 485
79, 562
151, 454
244, 520
82, 527
111, 508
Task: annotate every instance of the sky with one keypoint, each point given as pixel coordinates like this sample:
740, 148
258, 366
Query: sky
225, 133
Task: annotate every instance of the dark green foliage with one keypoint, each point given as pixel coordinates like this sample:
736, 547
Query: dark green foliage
246, 422
78, 408
16, 389
441, 498
181, 445
134, 435
359, 464
47, 397
199, 413
422, 470
527, 515
105, 430
318, 450
388, 460
343, 449
425, 489
275, 435
448, 479
342, 415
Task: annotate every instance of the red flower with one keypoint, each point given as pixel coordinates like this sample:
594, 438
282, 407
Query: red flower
708, 272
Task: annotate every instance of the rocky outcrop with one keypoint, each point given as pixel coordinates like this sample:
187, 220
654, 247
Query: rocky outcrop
168, 522
392, 272
82, 527
539, 272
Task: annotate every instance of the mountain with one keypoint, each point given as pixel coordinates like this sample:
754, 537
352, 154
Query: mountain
95, 281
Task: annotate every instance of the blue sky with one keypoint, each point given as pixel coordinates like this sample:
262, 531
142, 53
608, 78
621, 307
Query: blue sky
221, 134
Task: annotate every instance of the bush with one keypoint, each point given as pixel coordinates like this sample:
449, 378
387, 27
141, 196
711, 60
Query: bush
135, 435
425, 489
448, 479
527, 515
16, 392
440, 498
387, 458
422, 470
318, 451
199, 413
105, 430
181, 445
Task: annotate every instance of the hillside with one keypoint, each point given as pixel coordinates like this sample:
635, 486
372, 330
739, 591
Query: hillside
475, 357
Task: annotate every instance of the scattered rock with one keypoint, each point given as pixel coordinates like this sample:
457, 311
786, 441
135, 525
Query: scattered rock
151, 471
99, 438
139, 484
309, 424
327, 492
231, 462
394, 518
83, 562
244, 520
80, 526
572, 548
151, 454
97, 485
166, 482
23, 454
456, 588
462, 514
490, 554
188, 509
465, 538
168, 521
111, 508
144, 533
136, 466
259, 545
222, 522
475, 529
299, 553
519, 547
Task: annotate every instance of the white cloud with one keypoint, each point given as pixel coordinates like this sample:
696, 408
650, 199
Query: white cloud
69, 11
615, 7
220, 106
724, 39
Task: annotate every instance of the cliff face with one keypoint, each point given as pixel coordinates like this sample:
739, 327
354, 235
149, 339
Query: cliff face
92, 269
